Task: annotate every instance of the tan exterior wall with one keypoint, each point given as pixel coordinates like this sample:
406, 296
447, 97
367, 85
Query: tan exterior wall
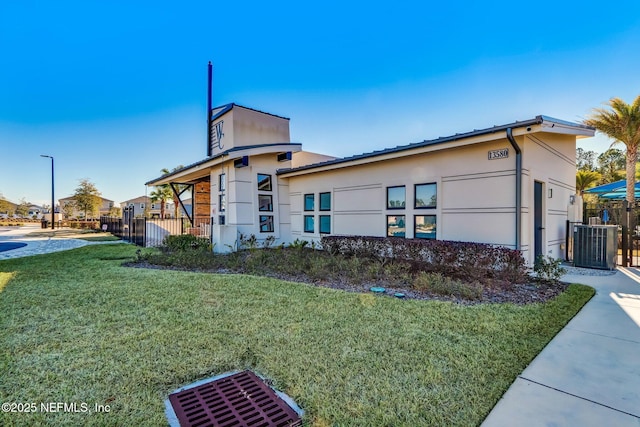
241, 127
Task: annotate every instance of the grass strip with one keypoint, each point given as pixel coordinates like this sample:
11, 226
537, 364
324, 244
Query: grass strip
76, 326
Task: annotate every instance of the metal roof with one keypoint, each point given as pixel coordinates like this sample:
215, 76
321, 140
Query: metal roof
458, 136
217, 156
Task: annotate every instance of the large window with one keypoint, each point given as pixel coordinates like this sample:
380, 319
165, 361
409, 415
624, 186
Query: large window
325, 224
264, 182
425, 196
309, 202
325, 201
309, 226
265, 203
266, 223
396, 226
425, 227
396, 197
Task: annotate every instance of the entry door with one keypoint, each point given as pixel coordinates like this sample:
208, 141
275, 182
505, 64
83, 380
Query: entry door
537, 218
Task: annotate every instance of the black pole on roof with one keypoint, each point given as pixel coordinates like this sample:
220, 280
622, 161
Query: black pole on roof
209, 90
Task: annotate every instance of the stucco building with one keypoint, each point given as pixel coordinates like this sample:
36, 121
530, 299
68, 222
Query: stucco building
511, 185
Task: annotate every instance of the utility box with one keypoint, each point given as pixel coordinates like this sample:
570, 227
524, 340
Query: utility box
595, 246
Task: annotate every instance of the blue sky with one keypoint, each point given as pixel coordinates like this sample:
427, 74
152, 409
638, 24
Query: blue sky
116, 91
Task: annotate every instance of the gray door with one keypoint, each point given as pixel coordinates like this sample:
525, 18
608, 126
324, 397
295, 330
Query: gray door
537, 218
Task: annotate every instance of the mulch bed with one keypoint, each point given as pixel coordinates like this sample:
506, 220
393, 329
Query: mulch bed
524, 293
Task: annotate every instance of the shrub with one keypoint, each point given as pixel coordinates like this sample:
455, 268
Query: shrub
463, 260
548, 268
185, 242
441, 285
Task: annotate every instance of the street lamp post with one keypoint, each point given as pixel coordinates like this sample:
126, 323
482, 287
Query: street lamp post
53, 206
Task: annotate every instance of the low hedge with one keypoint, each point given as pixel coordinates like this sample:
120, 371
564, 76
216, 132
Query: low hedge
465, 260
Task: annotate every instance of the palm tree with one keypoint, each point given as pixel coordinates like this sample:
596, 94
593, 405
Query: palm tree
161, 194
622, 124
179, 188
586, 179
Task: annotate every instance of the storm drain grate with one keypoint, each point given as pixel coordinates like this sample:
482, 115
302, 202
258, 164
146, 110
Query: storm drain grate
238, 400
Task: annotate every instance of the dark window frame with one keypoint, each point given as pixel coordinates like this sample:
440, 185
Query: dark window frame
222, 202
320, 217
270, 209
313, 225
313, 201
405, 197
387, 225
270, 181
260, 221
415, 195
320, 201
415, 226
222, 182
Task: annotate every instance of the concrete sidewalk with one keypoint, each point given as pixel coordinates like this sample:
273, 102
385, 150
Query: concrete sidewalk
589, 374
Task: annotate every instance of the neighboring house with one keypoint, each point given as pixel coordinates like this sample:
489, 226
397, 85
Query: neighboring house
143, 206
511, 185
37, 211
68, 209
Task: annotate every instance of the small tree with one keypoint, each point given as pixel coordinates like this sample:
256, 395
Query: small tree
87, 198
23, 208
611, 165
67, 209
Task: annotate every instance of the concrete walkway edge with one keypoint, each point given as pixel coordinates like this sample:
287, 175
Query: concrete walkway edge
589, 374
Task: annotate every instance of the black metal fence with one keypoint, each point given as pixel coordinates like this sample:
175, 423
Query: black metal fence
149, 232
612, 212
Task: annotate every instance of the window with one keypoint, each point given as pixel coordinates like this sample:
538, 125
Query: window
264, 182
396, 197
153, 206
265, 203
222, 203
266, 223
396, 226
425, 227
222, 182
141, 205
325, 202
309, 202
325, 224
425, 196
309, 226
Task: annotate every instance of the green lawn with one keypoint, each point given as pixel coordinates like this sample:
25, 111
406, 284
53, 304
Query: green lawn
76, 326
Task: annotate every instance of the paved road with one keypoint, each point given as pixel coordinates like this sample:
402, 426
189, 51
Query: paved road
37, 245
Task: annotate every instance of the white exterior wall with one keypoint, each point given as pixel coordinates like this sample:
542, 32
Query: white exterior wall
475, 195
242, 215
549, 159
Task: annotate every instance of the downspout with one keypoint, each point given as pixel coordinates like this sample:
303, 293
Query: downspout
518, 151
